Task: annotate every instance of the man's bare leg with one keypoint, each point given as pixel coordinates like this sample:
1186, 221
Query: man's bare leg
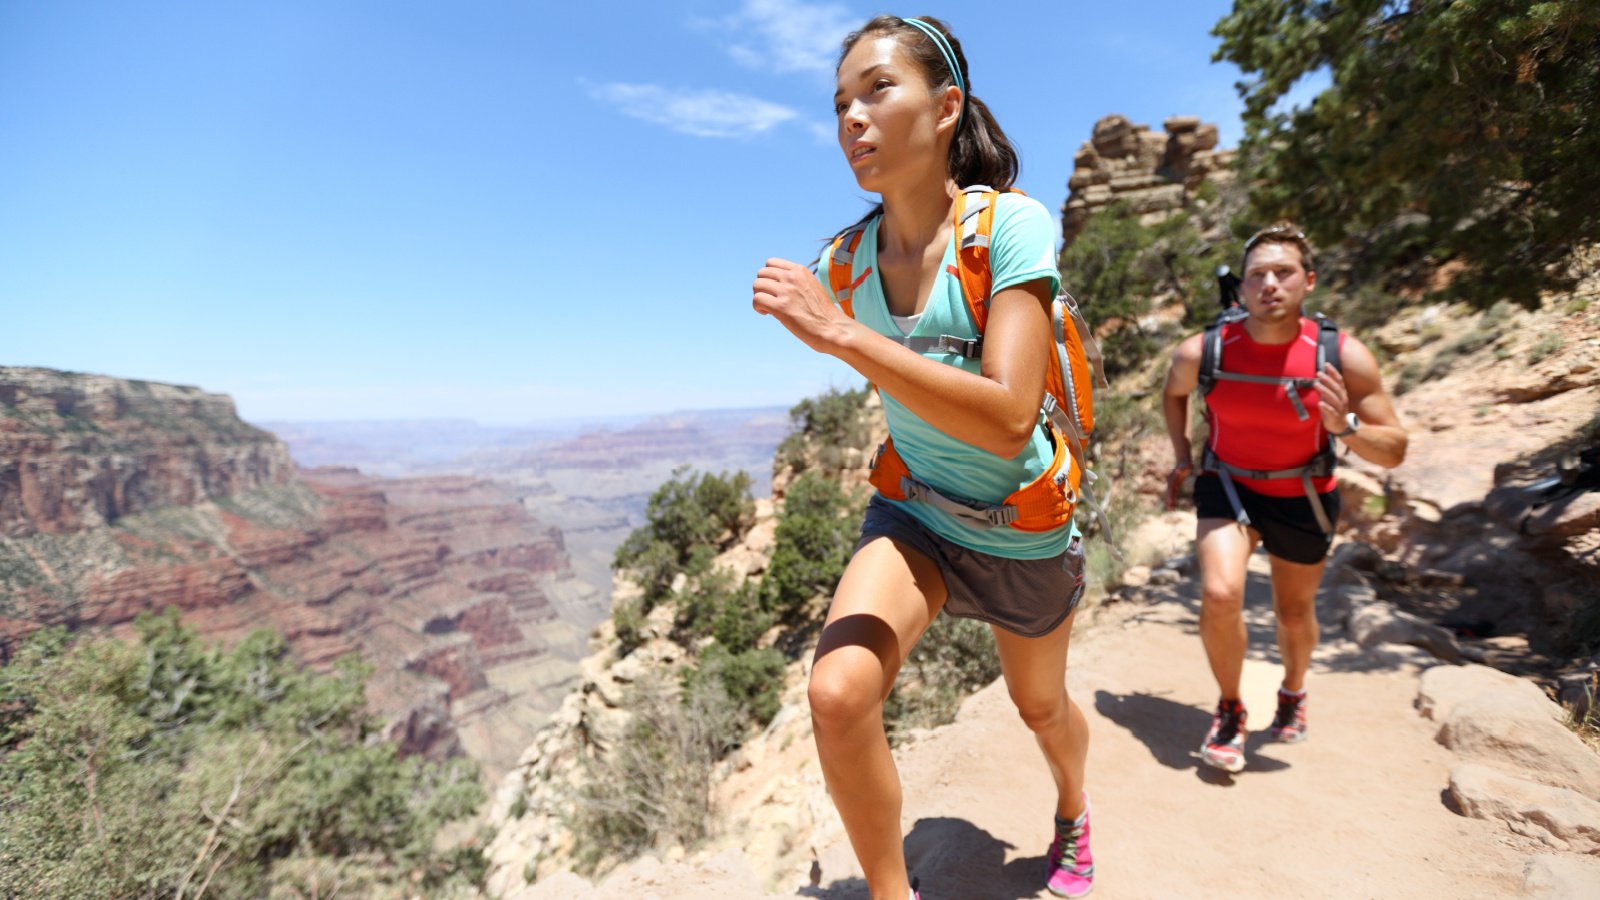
1222, 548
1294, 599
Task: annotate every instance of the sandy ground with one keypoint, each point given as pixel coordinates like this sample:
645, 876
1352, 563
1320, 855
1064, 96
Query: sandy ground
1358, 810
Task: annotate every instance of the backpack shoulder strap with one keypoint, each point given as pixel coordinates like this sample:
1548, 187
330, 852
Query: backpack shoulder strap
1210, 355
841, 266
974, 223
1328, 343
1211, 348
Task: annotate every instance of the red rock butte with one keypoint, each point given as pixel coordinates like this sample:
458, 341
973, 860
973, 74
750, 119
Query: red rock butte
1152, 173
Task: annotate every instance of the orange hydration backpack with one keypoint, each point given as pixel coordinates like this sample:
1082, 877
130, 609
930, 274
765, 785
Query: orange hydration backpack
1067, 412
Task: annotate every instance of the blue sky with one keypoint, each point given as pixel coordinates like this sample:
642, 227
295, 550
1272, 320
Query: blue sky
500, 211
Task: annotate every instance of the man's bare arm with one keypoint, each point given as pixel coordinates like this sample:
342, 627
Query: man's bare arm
1381, 439
1183, 376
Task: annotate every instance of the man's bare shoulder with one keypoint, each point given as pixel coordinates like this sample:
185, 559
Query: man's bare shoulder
1184, 372
1188, 350
1356, 355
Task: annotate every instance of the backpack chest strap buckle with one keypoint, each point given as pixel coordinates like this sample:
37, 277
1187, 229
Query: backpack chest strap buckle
971, 348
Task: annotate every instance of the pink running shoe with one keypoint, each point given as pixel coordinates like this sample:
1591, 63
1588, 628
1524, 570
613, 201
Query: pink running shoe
1224, 746
1289, 725
1069, 864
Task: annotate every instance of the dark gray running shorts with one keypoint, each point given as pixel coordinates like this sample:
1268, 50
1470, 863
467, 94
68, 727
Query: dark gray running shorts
1287, 526
1027, 597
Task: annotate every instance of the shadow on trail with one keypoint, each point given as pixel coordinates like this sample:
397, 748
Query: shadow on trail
1260, 625
1333, 653
953, 858
1173, 731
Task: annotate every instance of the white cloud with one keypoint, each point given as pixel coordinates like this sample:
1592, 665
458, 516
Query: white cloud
785, 35
700, 113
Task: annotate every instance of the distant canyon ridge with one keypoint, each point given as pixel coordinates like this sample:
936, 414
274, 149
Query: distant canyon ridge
470, 584
591, 479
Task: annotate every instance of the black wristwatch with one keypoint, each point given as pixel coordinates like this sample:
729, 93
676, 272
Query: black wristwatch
1352, 421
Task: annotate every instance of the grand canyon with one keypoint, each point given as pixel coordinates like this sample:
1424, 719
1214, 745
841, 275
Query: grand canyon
470, 584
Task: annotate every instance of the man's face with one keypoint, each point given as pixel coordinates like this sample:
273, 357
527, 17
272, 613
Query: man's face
1275, 282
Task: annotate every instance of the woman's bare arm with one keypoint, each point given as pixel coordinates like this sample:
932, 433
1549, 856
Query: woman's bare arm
995, 411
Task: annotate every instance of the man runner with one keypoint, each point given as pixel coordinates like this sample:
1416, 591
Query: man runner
1266, 471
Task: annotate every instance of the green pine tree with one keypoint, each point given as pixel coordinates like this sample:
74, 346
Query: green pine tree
1457, 129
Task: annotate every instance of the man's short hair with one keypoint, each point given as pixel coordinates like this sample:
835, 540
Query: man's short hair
1280, 232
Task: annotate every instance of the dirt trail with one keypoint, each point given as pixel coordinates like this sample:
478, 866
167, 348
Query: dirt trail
1355, 811
1358, 810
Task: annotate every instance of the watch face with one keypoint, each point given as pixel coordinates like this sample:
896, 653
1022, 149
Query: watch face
1352, 421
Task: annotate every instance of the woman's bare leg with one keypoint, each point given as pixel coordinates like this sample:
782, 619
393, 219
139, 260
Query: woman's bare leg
888, 596
1035, 670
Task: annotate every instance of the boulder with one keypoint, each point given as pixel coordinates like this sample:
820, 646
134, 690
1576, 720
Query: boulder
1114, 136
1183, 563
1371, 624
1443, 687
1562, 601
1515, 734
1151, 149
1558, 817
1566, 518
1353, 555
1350, 593
1165, 576
1561, 877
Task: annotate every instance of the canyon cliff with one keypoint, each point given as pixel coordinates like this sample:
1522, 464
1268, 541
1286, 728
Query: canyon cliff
121, 497
593, 478
78, 451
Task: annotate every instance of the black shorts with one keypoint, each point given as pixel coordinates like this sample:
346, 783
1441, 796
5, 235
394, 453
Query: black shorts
1027, 597
1287, 526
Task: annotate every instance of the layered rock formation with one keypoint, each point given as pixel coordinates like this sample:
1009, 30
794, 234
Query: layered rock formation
159, 496
77, 451
594, 478
1152, 173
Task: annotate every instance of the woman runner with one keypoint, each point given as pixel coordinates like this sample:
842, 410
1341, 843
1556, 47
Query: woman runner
912, 133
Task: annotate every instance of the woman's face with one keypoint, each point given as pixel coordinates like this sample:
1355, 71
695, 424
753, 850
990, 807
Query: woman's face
888, 121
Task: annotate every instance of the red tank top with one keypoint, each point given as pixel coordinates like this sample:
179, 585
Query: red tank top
1254, 426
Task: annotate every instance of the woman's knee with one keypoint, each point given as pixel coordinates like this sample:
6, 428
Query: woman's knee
1041, 713
843, 694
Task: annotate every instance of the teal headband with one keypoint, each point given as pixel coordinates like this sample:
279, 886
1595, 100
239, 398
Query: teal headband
949, 60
